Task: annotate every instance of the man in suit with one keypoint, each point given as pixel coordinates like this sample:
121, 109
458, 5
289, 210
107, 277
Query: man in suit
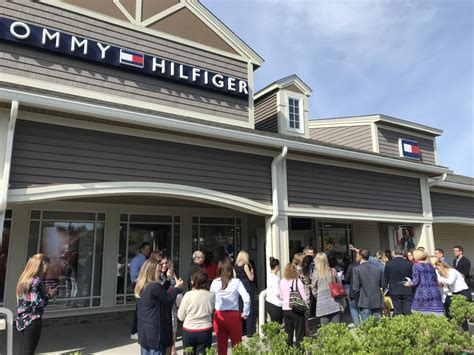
395, 274
367, 280
462, 264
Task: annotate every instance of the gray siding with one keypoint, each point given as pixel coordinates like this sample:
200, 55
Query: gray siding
447, 235
324, 186
358, 137
32, 63
388, 144
452, 205
45, 154
266, 115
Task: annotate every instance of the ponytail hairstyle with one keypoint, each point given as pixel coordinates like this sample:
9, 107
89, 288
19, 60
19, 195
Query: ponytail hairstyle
274, 263
37, 266
225, 271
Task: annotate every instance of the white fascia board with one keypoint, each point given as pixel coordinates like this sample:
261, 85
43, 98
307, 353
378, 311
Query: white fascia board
411, 125
161, 122
336, 122
455, 186
454, 220
284, 82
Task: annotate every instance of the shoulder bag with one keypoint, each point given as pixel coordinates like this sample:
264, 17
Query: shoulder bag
297, 303
337, 289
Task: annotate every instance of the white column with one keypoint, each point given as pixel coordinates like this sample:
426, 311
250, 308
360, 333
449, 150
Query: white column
251, 93
424, 232
16, 253
283, 237
185, 245
110, 256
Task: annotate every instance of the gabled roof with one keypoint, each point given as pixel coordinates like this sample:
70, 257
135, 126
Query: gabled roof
283, 83
375, 118
131, 14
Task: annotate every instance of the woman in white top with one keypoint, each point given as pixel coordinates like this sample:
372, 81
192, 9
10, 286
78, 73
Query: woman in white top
195, 311
227, 318
454, 281
273, 301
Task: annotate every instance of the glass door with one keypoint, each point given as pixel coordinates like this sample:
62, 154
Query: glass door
335, 239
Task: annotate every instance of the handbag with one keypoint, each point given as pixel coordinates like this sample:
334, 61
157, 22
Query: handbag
297, 303
337, 289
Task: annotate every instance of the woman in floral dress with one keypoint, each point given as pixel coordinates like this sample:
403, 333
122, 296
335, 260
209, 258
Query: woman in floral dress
31, 301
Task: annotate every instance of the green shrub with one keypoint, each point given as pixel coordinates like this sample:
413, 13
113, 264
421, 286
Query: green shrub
332, 339
461, 309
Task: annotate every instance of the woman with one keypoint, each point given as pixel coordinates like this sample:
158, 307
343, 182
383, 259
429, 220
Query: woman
328, 309
427, 298
273, 301
195, 311
154, 309
410, 256
294, 321
227, 318
31, 301
245, 273
304, 274
454, 281
168, 280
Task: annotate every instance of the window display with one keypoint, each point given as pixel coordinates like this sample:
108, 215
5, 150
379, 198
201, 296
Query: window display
4, 241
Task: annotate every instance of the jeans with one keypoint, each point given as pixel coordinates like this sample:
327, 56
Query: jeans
354, 311
152, 351
198, 340
401, 304
365, 313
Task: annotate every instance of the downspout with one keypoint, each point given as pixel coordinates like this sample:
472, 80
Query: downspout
275, 162
7, 162
437, 180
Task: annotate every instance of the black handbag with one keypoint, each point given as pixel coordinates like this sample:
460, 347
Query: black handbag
297, 303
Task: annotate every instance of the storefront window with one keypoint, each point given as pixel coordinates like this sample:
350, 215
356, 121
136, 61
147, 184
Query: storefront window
219, 235
4, 241
162, 232
335, 238
74, 243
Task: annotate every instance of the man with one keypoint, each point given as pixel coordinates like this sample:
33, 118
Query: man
395, 275
308, 251
353, 296
367, 279
462, 264
439, 253
135, 266
197, 262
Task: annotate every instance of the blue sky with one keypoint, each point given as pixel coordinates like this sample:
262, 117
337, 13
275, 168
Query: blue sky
411, 59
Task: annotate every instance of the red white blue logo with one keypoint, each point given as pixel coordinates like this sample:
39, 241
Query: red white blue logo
131, 58
409, 149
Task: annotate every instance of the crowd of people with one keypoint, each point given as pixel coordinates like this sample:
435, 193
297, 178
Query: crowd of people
221, 295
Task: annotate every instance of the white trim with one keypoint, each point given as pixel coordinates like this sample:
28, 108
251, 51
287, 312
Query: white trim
405, 132
375, 137
240, 47
455, 186
426, 197
7, 159
124, 11
251, 89
111, 128
283, 83
381, 118
66, 191
300, 113
355, 215
454, 220
169, 11
324, 123
124, 116
83, 93
139, 10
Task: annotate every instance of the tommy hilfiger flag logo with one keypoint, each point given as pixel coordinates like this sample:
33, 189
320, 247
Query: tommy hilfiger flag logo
410, 149
131, 58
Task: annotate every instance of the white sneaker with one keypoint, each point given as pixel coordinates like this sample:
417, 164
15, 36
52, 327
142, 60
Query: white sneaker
134, 336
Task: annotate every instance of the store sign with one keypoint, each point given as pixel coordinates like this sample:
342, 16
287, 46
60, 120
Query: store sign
409, 149
64, 43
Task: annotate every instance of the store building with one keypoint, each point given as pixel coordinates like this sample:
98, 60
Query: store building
131, 121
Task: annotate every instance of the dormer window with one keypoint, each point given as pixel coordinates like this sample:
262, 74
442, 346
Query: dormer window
294, 115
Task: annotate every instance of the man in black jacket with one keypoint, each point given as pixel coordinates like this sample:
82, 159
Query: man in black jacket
367, 281
396, 273
462, 264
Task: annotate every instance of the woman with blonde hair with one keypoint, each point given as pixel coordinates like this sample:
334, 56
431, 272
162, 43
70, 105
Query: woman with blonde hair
427, 297
453, 281
328, 309
154, 309
244, 272
31, 301
294, 318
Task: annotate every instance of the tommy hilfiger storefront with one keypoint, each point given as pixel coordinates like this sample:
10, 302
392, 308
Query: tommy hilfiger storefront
118, 126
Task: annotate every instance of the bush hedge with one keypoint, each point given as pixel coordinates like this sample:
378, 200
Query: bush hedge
415, 334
